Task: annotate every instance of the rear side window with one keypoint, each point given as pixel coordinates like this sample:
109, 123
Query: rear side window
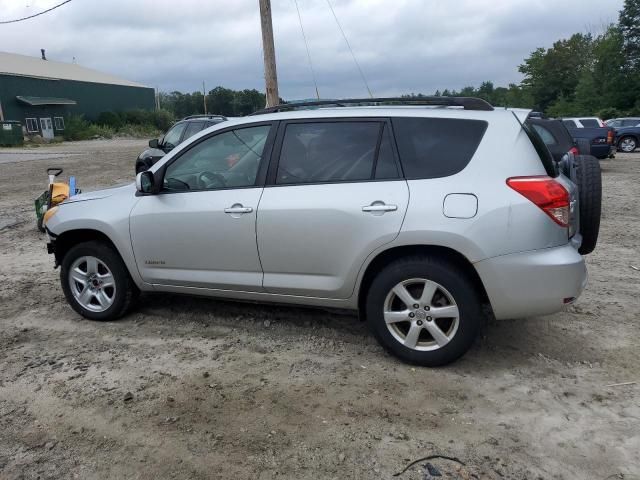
589, 123
436, 147
545, 134
328, 152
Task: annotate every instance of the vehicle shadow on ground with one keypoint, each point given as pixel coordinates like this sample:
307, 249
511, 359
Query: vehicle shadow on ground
501, 344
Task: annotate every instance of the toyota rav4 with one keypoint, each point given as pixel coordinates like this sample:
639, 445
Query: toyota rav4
425, 215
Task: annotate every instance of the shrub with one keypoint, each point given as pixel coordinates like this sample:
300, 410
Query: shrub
77, 128
110, 119
607, 113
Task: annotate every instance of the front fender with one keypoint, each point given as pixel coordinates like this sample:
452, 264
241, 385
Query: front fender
108, 216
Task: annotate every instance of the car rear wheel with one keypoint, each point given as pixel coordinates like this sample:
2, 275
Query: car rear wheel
424, 310
627, 144
96, 282
589, 180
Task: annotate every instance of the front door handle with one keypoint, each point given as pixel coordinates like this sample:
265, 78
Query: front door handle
380, 207
238, 208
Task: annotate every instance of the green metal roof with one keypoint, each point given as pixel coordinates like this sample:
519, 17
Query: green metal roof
35, 101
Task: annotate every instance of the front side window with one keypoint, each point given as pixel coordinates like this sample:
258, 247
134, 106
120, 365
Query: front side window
328, 152
32, 124
172, 137
59, 123
436, 147
192, 129
227, 160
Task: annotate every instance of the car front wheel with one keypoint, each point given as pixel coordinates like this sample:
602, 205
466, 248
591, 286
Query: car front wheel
424, 310
95, 281
627, 144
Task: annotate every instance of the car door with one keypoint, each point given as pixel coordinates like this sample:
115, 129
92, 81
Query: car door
199, 230
333, 196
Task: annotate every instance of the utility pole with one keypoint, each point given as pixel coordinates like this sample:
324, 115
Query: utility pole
204, 97
268, 49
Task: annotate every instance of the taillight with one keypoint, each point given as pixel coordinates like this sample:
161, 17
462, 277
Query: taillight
574, 150
610, 136
550, 196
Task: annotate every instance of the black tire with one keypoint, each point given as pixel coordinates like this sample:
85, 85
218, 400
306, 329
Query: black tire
125, 291
633, 141
589, 180
584, 146
454, 279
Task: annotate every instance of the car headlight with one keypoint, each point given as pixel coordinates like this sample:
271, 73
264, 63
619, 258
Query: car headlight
48, 214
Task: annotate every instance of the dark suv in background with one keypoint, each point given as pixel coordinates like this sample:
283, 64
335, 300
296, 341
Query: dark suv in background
627, 133
178, 133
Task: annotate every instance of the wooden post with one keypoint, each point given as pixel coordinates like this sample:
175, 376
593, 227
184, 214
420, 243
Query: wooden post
204, 97
268, 49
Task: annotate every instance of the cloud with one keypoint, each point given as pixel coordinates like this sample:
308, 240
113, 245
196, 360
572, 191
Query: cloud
402, 45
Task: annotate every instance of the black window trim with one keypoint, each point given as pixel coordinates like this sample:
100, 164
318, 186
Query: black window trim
262, 169
279, 140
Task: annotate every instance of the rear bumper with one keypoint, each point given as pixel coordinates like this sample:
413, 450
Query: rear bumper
537, 282
602, 151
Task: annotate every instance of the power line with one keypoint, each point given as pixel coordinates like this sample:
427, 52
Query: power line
35, 15
350, 49
313, 74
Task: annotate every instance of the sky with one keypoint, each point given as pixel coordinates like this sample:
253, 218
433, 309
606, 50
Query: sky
402, 46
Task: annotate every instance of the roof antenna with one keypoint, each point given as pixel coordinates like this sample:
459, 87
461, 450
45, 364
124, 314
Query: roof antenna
44, 57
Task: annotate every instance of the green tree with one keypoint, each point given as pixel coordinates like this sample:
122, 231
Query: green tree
630, 29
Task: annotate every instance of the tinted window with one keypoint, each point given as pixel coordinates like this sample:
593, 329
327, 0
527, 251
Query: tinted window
569, 123
328, 152
436, 147
631, 123
589, 123
545, 134
386, 167
172, 137
229, 159
192, 129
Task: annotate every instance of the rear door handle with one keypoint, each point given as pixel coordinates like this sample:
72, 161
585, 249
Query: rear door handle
380, 207
238, 208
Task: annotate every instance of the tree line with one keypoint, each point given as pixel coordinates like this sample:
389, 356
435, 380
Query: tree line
585, 74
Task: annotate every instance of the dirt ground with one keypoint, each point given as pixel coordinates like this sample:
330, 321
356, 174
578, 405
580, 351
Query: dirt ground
196, 388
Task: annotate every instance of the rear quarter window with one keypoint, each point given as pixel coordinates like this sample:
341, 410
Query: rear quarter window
436, 147
589, 123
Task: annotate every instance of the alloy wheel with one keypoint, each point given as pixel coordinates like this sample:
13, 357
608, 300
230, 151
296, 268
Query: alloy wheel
627, 145
421, 314
92, 283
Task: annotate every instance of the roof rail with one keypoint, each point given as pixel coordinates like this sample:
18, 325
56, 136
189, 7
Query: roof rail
201, 115
468, 103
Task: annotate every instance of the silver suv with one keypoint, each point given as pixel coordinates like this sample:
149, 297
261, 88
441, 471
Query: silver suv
419, 216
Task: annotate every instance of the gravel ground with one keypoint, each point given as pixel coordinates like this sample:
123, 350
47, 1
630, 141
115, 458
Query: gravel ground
197, 388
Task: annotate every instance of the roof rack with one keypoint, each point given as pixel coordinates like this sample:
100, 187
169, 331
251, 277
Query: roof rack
468, 103
204, 116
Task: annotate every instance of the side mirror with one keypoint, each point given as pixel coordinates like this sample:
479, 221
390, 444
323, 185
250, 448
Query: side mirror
154, 143
145, 182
